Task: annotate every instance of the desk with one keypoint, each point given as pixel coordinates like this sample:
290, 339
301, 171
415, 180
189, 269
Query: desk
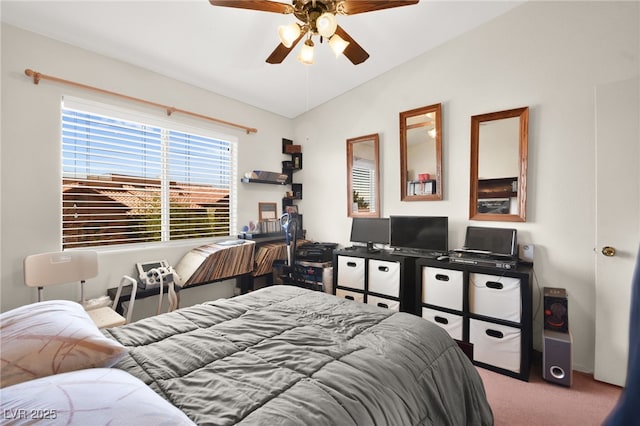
214, 263
268, 250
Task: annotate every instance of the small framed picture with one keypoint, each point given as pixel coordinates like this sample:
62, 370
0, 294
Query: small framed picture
494, 205
291, 209
285, 143
267, 211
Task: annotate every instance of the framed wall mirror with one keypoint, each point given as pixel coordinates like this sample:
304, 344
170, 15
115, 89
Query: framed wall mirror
421, 154
363, 176
499, 149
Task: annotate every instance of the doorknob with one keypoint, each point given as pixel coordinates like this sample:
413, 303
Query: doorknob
608, 251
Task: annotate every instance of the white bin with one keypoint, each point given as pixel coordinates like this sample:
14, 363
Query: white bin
350, 295
496, 344
382, 302
450, 322
442, 287
384, 277
495, 296
351, 272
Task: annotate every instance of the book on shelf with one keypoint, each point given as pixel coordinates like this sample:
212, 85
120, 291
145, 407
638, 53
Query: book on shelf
416, 187
269, 226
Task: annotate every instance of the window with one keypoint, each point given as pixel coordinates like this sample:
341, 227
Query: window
128, 178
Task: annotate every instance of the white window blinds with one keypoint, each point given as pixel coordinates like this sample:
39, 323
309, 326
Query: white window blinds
126, 181
364, 194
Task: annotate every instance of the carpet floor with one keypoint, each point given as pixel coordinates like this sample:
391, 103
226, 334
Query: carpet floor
540, 403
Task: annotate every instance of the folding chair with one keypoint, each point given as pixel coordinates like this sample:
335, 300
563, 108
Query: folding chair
45, 269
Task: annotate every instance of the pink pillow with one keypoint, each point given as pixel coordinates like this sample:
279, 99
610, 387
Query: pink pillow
51, 337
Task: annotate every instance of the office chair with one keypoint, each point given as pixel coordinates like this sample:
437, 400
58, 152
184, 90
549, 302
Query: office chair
45, 269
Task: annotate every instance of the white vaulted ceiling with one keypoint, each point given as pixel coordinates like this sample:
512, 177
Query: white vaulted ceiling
224, 49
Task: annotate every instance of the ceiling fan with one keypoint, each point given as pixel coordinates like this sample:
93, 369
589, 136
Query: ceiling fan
318, 18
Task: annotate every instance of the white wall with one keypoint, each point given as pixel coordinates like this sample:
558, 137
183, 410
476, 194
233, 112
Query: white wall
30, 163
545, 55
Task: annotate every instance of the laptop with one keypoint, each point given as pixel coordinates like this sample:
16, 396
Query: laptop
490, 242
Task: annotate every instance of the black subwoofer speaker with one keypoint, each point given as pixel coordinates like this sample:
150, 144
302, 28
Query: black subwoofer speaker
556, 310
556, 357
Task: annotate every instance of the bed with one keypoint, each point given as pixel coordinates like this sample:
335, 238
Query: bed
290, 356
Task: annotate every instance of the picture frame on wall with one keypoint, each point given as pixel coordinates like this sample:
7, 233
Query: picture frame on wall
494, 205
286, 142
267, 211
291, 209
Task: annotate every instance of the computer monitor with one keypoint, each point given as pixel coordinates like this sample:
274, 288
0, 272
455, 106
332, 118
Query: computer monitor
370, 230
424, 233
496, 241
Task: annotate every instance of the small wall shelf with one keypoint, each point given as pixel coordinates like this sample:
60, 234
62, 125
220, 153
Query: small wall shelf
271, 182
288, 169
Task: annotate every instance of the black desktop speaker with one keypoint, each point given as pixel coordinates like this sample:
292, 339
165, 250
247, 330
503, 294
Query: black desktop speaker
556, 357
556, 310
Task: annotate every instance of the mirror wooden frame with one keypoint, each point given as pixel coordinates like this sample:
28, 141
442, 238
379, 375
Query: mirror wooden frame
405, 116
523, 147
351, 212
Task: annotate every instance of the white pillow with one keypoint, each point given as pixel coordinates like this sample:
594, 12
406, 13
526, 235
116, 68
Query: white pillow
97, 396
51, 337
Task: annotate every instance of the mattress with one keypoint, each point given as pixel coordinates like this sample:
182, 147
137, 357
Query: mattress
291, 356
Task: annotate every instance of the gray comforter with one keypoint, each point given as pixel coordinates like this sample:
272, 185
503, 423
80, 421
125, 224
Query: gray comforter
288, 356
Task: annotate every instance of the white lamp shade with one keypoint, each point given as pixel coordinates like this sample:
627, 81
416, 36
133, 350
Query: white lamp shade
306, 53
288, 34
338, 44
326, 24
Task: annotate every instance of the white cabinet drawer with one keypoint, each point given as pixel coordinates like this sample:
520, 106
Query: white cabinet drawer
450, 322
442, 287
351, 272
495, 296
384, 277
381, 302
495, 344
350, 295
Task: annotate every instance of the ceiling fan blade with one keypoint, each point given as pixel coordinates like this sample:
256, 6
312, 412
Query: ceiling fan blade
360, 6
281, 51
261, 5
354, 52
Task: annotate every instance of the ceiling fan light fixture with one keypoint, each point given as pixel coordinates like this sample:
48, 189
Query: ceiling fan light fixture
338, 44
288, 34
306, 53
326, 24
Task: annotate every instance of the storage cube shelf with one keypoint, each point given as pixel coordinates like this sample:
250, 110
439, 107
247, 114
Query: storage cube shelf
379, 279
487, 307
